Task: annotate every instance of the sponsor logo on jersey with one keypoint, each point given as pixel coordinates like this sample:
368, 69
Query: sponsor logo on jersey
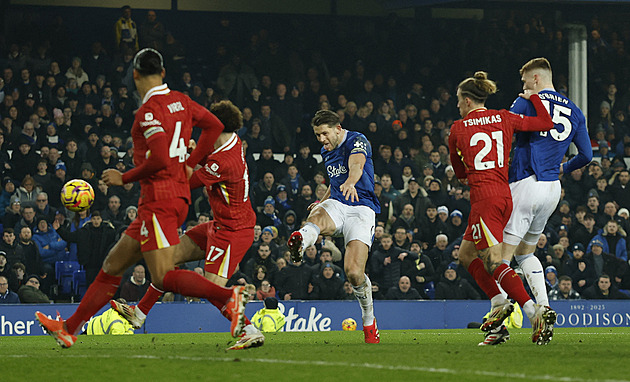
175, 107
336, 171
483, 120
155, 122
212, 169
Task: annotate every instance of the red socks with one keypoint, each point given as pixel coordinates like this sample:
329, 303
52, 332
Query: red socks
98, 294
511, 284
149, 299
483, 278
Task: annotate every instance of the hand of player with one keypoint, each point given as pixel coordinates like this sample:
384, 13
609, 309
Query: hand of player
312, 205
191, 145
349, 191
112, 177
527, 93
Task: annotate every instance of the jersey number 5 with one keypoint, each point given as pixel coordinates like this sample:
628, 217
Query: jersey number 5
485, 139
177, 149
558, 117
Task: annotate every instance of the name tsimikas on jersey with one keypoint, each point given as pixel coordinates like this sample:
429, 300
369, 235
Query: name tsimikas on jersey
483, 120
212, 169
336, 171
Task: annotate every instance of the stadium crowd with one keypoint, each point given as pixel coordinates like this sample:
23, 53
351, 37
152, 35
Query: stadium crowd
66, 117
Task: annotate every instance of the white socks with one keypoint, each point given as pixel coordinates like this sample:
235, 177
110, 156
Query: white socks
309, 232
250, 329
530, 309
533, 271
363, 293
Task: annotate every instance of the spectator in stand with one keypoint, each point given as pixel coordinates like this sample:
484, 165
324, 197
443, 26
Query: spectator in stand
420, 271
269, 216
452, 287
265, 290
262, 258
587, 231
30, 292
430, 227
28, 219
619, 189
293, 180
137, 285
388, 190
23, 160
564, 291
126, 31
605, 263
294, 282
28, 190
387, 262
56, 184
42, 208
12, 213
613, 240
93, 239
402, 238
403, 291
7, 245
305, 162
8, 190
303, 201
604, 290
7, 296
412, 196
114, 213
152, 32
76, 72
52, 247
327, 285
455, 228
406, 220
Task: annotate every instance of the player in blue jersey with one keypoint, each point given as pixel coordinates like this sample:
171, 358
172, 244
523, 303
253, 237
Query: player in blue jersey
348, 208
533, 178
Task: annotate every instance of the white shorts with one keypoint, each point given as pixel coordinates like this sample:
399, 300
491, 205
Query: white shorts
351, 222
533, 203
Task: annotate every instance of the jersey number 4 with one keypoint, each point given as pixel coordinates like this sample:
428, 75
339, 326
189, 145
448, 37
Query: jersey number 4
484, 138
558, 117
178, 148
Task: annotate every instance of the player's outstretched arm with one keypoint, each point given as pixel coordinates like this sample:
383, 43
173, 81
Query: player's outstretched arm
355, 171
210, 127
158, 144
542, 120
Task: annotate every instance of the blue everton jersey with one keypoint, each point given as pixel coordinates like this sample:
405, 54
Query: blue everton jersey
541, 153
337, 167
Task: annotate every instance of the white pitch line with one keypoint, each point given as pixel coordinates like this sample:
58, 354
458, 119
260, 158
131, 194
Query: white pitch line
544, 377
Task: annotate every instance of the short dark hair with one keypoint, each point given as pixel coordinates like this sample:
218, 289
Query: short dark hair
228, 114
148, 62
325, 117
565, 278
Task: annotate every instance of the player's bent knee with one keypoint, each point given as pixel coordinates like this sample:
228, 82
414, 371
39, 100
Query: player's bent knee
125, 253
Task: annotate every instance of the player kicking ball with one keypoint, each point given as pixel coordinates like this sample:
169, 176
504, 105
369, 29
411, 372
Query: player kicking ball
223, 241
348, 208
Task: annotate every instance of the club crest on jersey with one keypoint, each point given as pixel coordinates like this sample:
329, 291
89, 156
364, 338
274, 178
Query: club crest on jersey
148, 116
212, 169
336, 171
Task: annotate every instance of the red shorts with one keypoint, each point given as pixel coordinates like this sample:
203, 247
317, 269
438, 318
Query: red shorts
224, 249
157, 223
487, 219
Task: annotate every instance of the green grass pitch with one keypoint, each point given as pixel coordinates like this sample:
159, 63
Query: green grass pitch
579, 354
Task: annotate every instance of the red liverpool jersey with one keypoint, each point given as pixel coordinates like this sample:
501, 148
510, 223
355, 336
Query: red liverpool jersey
226, 176
480, 147
169, 112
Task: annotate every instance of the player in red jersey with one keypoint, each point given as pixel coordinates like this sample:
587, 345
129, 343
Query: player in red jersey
160, 132
224, 241
480, 145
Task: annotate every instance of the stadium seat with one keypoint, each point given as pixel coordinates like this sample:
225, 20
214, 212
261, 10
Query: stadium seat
64, 273
79, 285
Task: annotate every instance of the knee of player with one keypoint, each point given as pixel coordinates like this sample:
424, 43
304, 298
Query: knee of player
355, 276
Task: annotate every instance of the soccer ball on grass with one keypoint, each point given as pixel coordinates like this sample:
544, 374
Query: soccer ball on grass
77, 195
349, 324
